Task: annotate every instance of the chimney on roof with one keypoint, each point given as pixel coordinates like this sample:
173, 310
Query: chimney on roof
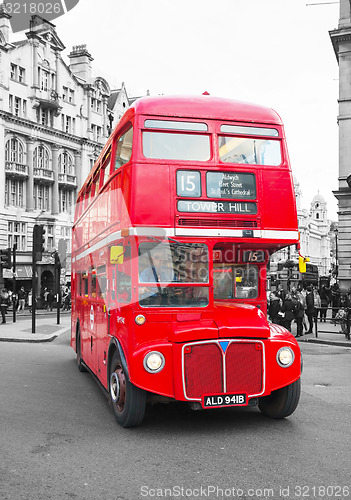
80, 63
4, 24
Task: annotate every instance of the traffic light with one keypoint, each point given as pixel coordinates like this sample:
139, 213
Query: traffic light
62, 249
5, 256
38, 242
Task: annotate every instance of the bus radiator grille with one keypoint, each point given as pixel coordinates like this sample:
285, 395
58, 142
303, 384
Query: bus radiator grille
244, 368
217, 223
203, 370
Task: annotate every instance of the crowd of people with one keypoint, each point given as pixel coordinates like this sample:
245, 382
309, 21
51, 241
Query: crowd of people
23, 300
304, 306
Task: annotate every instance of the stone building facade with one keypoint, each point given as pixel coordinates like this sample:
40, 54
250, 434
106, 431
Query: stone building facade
341, 40
316, 235
55, 117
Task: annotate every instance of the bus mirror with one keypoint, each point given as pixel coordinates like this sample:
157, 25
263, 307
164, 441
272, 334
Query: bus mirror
116, 255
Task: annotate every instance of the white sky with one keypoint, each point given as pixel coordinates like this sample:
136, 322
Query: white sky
273, 52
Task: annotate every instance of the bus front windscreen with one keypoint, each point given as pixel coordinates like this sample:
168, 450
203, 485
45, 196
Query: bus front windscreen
235, 281
170, 275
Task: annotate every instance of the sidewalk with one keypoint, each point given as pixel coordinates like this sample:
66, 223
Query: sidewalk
327, 333
46, 327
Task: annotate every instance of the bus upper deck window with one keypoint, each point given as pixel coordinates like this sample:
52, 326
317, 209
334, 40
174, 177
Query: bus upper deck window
250, 151
176, 146
124, 148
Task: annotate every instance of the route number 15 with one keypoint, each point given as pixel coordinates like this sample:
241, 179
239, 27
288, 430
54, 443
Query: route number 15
188, 183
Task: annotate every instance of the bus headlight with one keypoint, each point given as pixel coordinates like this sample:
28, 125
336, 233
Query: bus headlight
285, 357
154, 362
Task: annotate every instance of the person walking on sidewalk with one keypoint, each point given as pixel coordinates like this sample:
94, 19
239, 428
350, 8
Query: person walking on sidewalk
288, 310
21, 299
4, 303
299, 314
310, 309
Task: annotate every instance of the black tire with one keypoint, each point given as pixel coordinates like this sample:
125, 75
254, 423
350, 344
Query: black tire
282, 402
128, 401
80, 364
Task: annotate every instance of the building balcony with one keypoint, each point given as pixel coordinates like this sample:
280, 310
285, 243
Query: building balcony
14, 169
67, 180
43, 175
47, 99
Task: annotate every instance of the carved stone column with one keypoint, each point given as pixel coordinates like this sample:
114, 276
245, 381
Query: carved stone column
55, 187
30, 180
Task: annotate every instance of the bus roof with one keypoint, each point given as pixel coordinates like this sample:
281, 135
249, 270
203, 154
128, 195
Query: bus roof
205, 107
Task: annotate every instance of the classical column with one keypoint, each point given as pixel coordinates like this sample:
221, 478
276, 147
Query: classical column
55, 187
2, 170
30, 180
78, 168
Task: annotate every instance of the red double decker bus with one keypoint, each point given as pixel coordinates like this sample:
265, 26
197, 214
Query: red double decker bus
173, 230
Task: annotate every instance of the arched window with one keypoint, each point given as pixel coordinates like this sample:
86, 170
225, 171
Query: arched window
14, 150
65, 162
41, 158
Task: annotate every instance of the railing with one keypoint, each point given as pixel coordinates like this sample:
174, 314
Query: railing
43, 174
15, 168
67, 180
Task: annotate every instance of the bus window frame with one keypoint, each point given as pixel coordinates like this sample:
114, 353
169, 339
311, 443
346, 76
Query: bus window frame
129, 126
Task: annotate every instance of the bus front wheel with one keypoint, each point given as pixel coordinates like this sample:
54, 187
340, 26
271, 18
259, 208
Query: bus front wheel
127, 400
80, 364
282, 402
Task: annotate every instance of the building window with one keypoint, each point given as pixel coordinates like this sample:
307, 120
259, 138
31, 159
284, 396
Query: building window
66, 200
17, 234
13, 72
14, 193
50, 238
45, 117
14, 150
41, 195
43, 79
41, 157
65, 163
17, 73
21, 74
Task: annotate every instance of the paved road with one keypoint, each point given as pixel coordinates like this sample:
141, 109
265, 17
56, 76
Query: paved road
59, 438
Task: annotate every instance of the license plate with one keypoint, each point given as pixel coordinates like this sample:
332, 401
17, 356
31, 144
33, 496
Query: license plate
220, 400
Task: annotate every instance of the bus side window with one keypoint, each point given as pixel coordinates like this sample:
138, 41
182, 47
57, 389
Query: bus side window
101, 282
84, 284
124, 148
78, 283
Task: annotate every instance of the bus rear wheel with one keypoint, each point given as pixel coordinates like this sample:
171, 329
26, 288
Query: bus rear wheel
282, 402
128, 402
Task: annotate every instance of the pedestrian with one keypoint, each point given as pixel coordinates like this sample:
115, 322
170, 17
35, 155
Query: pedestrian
274, 308
310, 308
288, 311
299, 312
335, 299
50, 299
4, 303
45, 296
21, 299
324, 303
30, 300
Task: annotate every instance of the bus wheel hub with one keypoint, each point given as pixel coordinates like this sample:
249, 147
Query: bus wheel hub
118, 388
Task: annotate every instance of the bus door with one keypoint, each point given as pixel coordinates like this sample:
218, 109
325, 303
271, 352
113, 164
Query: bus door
119, 290
90, 355
100, 311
